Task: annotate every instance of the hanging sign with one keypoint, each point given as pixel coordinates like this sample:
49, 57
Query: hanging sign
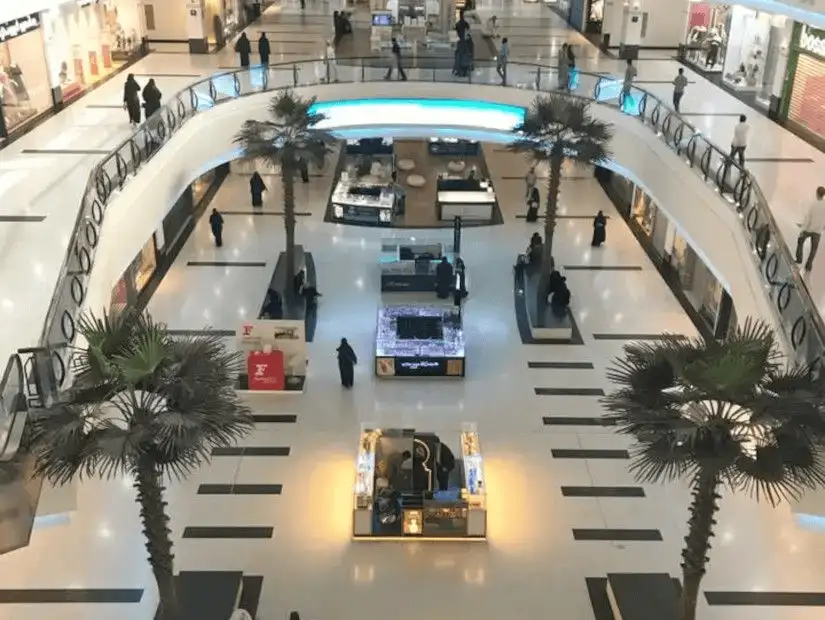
19, 26
812, 41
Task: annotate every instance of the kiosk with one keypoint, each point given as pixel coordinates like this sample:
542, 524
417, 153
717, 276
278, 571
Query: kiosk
419, 341
276, 355
469, 199
409, 265
412, 485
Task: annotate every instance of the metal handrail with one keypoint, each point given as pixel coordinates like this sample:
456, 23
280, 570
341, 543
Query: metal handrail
113, 171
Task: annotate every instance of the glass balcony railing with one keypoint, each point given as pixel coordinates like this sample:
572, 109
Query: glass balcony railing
796, 314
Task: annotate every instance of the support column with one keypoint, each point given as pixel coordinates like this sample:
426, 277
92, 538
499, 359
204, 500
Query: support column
776, 60
195, 30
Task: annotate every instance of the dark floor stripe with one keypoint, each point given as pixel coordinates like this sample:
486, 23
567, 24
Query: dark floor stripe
97, 595
603, 267
251, 451
65, 152
561, 365
767, 599
597, 591
32, 219
240, 489
639, 337
562, 420
223, 333
262, 212
603, 491
251, 594
580, 453
569, 391
274, 418
780, 160
236, 532
617, 534
564, 217
195, 263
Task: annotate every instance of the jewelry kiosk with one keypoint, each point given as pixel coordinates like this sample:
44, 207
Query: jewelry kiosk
410, 486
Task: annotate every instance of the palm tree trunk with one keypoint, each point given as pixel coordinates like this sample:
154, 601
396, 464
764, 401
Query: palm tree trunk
288, 178
550, 212
703, 509
158, 541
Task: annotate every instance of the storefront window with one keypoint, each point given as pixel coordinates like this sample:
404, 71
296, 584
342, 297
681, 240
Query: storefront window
144, 265
201, 185
120, 296
644, 211
88, 41
805, 110
683, 260
747, 49
707, 35
24, 79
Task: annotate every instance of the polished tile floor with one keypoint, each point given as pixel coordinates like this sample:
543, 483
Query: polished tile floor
532, 562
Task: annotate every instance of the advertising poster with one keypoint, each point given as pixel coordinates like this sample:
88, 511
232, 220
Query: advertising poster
266, 370
286, 337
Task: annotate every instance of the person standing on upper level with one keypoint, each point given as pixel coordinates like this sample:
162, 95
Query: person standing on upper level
244, 48
264, 49
630, 73
501, 60
812, 227
741, 135
679, 84
563, 68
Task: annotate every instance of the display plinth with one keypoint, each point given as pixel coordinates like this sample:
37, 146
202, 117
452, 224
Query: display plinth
419, 341
411, 486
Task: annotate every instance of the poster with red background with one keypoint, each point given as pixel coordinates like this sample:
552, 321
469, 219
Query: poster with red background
266, 370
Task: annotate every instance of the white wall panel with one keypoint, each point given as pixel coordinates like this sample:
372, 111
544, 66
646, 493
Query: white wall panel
206, 141
170, 20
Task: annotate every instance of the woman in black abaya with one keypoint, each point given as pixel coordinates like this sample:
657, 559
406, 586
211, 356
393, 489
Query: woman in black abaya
599, 230
346, 363
257, 189
131, 100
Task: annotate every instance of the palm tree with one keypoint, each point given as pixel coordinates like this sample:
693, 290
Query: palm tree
287, 141
146, 406
718, 414
559, 128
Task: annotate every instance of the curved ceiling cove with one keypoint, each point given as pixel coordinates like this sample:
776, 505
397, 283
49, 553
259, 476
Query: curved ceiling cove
206, 141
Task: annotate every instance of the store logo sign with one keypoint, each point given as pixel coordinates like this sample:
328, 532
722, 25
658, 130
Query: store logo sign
19, 26
812, 43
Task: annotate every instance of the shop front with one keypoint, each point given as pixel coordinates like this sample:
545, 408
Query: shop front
25, 93
87, 41
802, 106
692, 282
222, 19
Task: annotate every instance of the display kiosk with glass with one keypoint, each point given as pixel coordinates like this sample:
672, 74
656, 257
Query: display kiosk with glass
470, 199
365, 192
409, 265
419, 341
413, 485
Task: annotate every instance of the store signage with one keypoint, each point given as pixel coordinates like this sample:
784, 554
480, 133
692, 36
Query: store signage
812, 41
266, 370
420, 367
21, 25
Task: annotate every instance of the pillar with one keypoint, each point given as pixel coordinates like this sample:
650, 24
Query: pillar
195, 29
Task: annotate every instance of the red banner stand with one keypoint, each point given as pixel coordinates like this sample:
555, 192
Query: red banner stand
266, 371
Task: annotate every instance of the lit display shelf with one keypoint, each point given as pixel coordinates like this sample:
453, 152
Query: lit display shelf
410, 485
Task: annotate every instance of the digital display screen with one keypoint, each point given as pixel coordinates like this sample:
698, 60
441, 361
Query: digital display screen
420, 367
382, 19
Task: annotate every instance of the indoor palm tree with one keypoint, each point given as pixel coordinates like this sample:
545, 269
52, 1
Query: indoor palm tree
719, 414
559, 128
146, 406
288, 140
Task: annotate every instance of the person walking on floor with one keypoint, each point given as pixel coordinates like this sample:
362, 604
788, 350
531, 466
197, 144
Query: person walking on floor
679, 84
346, 363
244, 48
131, 99
257, 189
303, 4
811, 228
530, 180
599, 230
572, 71
264, 49
216, 224
330, 62
151, 98
501, 60
396, 52
741, 134
303, 168
563, 67
630, 74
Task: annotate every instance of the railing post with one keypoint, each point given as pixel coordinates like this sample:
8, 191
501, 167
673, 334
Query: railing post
538, 78
363, 71
326, 67
295, 75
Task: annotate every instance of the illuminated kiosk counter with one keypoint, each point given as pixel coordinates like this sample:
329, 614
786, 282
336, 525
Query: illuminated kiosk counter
436, 493
419, 341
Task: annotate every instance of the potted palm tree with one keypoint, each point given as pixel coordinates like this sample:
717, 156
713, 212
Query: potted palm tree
146, 406
288, 140
559, 128
718, 414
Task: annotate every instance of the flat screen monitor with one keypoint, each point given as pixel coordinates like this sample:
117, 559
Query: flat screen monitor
419, 328
382, 19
